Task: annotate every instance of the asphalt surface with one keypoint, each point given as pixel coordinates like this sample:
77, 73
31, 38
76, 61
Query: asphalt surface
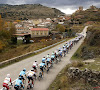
15, 69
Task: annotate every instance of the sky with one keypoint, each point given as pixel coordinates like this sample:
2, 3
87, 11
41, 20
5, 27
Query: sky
66, 6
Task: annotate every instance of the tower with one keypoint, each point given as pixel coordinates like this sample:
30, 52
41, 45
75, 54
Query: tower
81, 8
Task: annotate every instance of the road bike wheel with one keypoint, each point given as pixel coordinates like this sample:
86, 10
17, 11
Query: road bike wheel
39, 78
4, 88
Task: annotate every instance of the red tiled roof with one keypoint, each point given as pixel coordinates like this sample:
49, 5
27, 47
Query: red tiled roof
39, 29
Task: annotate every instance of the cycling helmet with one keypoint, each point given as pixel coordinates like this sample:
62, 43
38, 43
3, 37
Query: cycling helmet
32, 69
24, 69
8, 75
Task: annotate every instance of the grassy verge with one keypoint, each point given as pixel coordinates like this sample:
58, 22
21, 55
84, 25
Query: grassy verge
18, 50
27, 56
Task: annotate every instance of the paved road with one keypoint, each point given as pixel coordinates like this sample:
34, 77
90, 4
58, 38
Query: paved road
15, 69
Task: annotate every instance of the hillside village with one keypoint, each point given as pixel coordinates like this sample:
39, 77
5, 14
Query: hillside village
39, 27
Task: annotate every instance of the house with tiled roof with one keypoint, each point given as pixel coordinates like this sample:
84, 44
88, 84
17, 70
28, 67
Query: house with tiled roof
20, 30
39, 32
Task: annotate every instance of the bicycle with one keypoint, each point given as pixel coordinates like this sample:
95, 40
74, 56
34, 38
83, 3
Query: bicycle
51, 63
18, 87
29, 86
40, 76
48, 68
56, 59
10, 87
64, 53
59, 58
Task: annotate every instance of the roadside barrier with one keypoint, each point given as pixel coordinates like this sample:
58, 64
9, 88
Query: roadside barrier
9, 61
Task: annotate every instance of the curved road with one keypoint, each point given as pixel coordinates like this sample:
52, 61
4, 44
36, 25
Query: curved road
15, 69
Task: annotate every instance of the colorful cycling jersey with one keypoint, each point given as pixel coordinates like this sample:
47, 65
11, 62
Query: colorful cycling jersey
42, 65
18, 82
7, 80
43, 59
67, 46
52, 56
60, 52
31, 73
35, 64
22, 73
64, 49
48, 59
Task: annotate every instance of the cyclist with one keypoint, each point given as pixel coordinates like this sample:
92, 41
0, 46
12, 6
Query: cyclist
48, 56
18, 84
23, 74
35, 65
31, 74
6, 82
43, 59
56, 54
60, 51
52, 57
59, 55
42, 66
67, 46
48, 61
64, 50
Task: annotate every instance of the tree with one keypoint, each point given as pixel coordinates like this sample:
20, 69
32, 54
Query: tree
12, 29
60, 28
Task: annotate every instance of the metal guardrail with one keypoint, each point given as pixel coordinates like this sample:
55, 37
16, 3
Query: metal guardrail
21, 56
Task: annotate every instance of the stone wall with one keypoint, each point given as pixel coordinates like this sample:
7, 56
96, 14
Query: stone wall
89, 76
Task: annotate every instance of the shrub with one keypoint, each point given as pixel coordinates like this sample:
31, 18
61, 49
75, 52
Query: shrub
77, 64
2, 45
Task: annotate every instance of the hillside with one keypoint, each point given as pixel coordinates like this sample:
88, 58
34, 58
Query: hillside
27, 11
91, 14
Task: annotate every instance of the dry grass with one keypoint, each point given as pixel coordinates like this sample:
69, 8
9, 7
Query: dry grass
77, 28
77, 64
23, 49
